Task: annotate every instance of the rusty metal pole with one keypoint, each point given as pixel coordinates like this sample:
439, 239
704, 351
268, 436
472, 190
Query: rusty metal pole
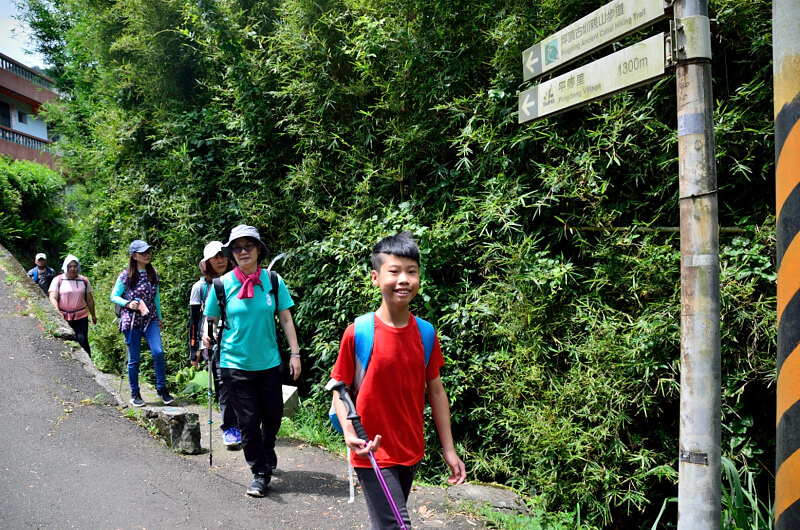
699, 487
786, 71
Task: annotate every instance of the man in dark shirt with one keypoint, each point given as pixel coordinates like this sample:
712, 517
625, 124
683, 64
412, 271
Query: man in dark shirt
41, 273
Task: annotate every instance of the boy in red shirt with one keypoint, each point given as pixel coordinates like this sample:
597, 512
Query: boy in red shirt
391, 398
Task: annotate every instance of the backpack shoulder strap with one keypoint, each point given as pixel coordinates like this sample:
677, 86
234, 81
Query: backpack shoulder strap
428, 336
364, 336
273, 280
204, 296
220, 290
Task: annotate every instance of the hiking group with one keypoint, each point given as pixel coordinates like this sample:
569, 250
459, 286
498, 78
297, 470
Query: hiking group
388, 361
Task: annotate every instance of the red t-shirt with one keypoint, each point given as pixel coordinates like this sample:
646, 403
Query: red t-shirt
391, 399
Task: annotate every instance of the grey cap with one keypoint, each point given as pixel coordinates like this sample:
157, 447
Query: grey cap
137, 246
248, 232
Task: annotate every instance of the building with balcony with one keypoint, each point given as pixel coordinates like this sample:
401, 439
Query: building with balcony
23, 135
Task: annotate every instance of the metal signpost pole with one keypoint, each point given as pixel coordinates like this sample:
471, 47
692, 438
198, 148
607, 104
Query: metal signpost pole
700, 411
786, 70
689, 45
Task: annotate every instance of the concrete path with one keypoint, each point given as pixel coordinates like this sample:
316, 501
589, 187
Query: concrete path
70, 457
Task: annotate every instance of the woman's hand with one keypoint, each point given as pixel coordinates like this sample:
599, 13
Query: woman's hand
133, 305
94, 320
207, 342
294, 367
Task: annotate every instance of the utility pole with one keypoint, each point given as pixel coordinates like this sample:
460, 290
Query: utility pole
786, 74
699, 487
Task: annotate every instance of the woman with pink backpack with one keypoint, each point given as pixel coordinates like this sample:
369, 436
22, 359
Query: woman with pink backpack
71, 294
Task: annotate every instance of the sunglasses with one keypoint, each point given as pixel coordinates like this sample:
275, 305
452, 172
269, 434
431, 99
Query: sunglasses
247, 248
145, 253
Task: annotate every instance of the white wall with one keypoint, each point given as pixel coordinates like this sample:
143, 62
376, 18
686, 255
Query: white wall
35, 126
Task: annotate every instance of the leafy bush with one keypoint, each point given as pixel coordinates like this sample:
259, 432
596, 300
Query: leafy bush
32, 216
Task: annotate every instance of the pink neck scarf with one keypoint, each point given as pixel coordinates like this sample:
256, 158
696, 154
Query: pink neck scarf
249, 281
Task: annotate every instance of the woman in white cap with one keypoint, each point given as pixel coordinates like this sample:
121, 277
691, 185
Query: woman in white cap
250, 360
71, 294
136, 290
214, 265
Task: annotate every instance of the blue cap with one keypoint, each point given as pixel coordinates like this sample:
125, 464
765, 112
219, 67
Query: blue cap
137, 246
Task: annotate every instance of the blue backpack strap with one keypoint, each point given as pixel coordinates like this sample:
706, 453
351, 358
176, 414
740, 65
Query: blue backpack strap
364, 335
428, 335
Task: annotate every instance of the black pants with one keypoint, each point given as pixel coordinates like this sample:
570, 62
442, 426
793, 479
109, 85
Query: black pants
257, 401
399, 480
81, 329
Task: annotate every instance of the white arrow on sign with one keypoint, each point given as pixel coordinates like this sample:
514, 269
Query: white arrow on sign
527, 104
531, 61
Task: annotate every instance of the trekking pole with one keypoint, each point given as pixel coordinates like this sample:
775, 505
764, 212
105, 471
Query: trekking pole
355, 419
127, 350
122, 372
210, 354
275, 259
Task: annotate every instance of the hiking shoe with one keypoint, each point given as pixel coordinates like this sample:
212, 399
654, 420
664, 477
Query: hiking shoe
165, 397
259, 486
137, 401
231, 437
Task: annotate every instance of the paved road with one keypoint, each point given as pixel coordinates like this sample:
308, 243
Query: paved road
70, 458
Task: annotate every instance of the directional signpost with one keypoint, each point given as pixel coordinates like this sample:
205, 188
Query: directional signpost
689, 45
605, 25
627, 68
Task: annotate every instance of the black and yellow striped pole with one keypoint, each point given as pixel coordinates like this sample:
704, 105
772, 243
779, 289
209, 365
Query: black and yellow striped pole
786, 71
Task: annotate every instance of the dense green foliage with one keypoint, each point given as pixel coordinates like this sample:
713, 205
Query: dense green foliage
330, 124
32, 214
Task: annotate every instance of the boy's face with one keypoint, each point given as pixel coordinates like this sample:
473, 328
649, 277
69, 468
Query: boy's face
398, 279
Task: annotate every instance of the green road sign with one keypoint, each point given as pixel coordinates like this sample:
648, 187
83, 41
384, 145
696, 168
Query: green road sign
603, 26
632, 66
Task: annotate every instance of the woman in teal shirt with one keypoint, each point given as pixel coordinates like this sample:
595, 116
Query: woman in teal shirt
250, 362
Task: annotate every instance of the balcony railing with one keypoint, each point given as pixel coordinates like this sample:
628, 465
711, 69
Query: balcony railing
26, 73
10, 135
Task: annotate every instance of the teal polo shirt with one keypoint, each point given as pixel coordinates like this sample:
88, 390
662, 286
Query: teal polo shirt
250, 343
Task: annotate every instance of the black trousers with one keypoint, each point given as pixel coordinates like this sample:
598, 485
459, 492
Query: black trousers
257, 400
81, 329
399, 480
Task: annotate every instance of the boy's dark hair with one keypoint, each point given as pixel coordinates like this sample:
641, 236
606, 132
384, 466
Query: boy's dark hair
403, 245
